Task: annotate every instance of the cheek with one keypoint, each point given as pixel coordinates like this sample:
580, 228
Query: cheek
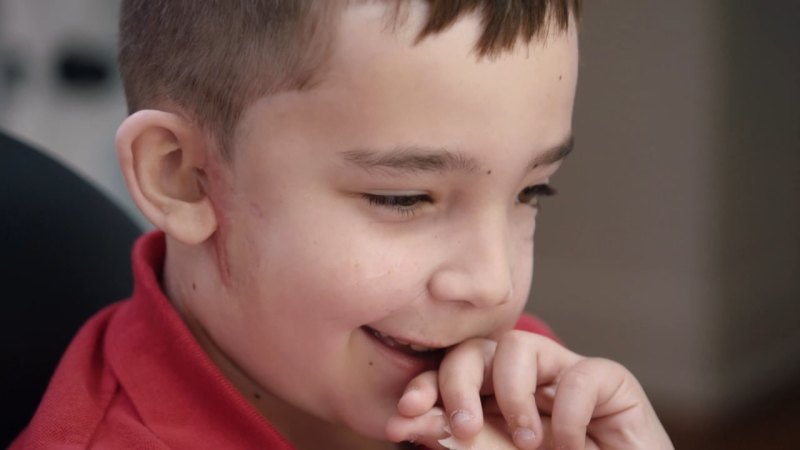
340, 273
369, 278
523, 280
523, 269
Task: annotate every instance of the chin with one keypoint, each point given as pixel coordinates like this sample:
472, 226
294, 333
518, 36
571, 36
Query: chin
370, 422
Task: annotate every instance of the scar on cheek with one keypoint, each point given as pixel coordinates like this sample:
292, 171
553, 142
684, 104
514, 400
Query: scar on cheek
219, 238
222, 257
219, 196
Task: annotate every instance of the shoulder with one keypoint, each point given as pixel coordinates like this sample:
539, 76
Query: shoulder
84, 399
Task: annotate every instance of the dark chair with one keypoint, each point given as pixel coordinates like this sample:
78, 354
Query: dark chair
64, 254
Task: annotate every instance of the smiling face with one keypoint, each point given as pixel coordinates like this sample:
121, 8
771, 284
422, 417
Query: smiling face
391, 204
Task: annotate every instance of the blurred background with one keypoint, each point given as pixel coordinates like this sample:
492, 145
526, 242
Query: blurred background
59, 88
674, 244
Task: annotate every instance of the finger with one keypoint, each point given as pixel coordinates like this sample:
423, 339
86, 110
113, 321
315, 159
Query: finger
420, 395
549, 444
426, 429
461, 377
521, 362
545, 397
493, 436
515, 376
584, 386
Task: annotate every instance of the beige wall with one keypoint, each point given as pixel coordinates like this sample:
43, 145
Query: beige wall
678, 221
759, 153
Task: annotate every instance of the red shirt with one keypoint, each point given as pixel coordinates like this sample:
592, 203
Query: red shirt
134, 377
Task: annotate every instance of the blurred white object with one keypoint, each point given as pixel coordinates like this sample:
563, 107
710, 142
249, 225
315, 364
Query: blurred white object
65, 96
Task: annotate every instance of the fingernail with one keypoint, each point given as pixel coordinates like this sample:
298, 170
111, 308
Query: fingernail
461, 417
524, 434
409, 390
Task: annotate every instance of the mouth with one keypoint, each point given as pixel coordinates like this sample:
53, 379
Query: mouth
415, 350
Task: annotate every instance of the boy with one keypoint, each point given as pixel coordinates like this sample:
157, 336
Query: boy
347, 193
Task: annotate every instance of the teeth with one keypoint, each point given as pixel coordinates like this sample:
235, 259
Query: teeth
419, 348
393, 342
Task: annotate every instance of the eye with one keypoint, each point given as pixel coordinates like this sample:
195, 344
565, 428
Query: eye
404, 204
530, 195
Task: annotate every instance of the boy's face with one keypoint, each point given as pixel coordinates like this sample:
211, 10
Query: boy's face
390, 198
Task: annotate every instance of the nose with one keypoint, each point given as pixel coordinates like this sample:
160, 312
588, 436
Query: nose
478, 269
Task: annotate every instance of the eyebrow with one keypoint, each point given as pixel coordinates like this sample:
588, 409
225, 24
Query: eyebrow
413, 159
553, 155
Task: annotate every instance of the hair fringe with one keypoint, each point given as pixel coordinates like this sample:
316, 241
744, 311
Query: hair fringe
505, 22
208, 59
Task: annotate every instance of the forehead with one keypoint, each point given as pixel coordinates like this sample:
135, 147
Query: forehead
375, 50
379, 84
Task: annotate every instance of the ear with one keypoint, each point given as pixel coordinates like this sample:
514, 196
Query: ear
163, 158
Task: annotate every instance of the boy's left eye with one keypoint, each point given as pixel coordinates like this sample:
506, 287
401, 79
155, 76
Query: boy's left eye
405, 204
531, 194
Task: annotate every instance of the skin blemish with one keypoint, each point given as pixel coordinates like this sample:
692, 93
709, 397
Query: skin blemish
370, 363
560, 77
194, 286
489, 172
257, 395
256, 210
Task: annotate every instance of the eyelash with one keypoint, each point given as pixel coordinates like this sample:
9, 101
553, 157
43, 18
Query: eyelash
533, 193
408, 204
404, 204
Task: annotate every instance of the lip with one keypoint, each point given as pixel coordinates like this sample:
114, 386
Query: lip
416, 363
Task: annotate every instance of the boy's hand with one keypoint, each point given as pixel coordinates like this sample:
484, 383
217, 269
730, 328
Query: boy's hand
523, 378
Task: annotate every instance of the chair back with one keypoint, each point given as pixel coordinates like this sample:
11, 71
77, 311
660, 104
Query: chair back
64, 254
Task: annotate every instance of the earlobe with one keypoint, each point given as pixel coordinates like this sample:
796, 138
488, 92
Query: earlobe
163, 159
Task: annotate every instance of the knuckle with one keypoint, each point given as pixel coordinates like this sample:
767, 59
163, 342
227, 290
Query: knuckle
457, 385
579, 379
607, 366
450, 380
519, 410
516, 339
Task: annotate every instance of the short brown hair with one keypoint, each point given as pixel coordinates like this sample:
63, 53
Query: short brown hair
209, 59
